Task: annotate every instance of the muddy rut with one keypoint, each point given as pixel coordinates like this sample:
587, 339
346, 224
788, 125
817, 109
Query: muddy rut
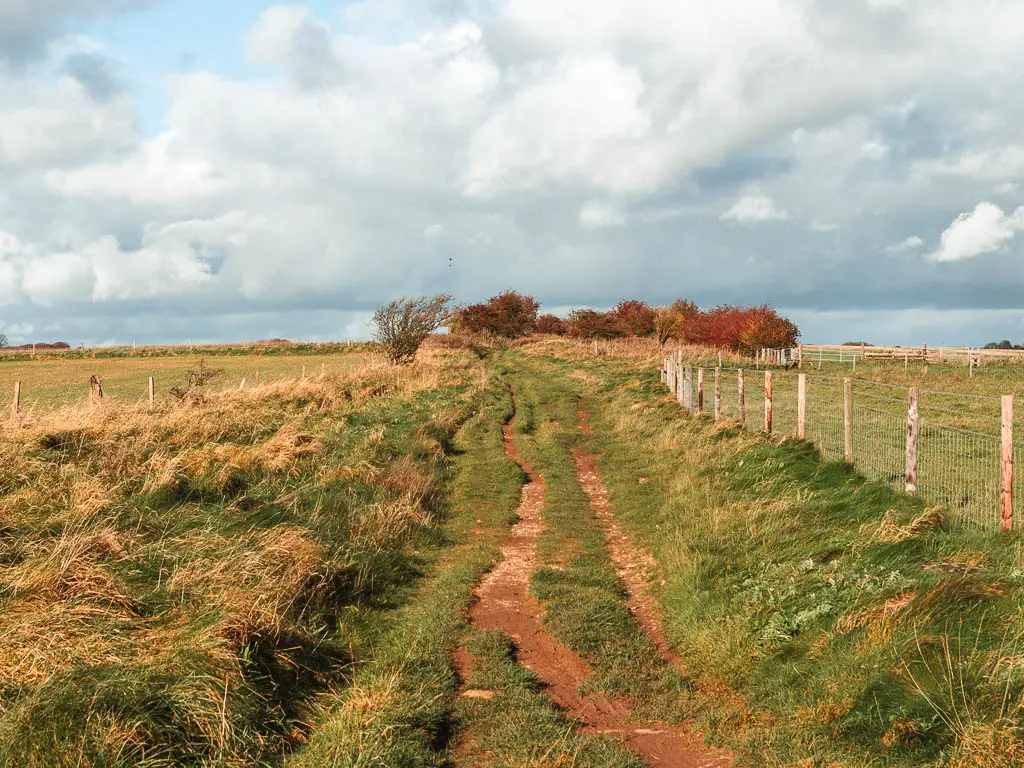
502, 602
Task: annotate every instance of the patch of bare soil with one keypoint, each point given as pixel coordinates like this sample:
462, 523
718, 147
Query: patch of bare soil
502, 602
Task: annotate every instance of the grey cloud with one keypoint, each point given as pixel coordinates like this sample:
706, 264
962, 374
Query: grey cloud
27, 25
97, 73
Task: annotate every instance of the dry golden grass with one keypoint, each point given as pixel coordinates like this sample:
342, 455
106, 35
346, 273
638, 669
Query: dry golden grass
133, 552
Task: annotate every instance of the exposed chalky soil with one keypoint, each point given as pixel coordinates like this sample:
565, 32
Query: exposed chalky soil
502, 602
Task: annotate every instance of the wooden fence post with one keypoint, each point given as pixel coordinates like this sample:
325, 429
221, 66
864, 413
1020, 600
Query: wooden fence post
241, 386
700, 391
848, 419
95, 389
799, 355
152, 392
718, 394
688, 387
1006, 493
801, 406
16, 403
257, 378
323, 370
767, 402
741, 399
912, 432
970, 361
679, 392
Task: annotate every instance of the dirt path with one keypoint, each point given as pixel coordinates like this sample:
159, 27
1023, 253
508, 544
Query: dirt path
632, 564
502, 602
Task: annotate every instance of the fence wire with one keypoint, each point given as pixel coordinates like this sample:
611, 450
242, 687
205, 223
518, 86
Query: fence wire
959, 448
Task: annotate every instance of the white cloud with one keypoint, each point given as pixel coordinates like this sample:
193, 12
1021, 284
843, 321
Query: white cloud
599, 214
532, 123
986, 229
823, 226
754, 208
875, 149
912, 243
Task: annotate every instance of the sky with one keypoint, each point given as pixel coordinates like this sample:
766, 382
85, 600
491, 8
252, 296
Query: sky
175, 170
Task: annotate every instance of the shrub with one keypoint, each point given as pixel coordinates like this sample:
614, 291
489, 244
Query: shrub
590, 324
3, 340
510, 315
633, 318
402, 325
742, 328
551, 324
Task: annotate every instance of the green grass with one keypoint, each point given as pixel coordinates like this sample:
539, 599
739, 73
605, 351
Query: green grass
583, 597
818, 621
182, 588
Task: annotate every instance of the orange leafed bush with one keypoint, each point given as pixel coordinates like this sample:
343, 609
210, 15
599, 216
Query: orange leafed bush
741, 328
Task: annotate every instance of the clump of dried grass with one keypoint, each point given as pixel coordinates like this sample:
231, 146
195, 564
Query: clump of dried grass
890, 532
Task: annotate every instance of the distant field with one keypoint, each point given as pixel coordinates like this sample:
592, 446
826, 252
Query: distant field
51, 382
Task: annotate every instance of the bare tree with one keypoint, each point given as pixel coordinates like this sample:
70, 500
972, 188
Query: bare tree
3, 340
401, 325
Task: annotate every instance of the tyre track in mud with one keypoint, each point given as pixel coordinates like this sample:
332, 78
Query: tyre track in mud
502, 602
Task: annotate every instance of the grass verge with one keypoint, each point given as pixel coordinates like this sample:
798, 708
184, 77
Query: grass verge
826, 620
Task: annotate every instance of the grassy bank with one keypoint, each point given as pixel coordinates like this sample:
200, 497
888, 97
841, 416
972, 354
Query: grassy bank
823, 617
182, 587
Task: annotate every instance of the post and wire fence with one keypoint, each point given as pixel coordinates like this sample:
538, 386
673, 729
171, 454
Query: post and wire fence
956, 450
97, 397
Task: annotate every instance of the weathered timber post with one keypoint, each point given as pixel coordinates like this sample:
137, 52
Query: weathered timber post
16, 403
718, 393
848, 419
95, 389
741, 399
820, 354
1006, 491
970, 361
323, 370
303, 373
700, 391
912, 432
767, 402
799, 355
241, 385
688, 387
801, 406
257, 378
152, 392
679, 392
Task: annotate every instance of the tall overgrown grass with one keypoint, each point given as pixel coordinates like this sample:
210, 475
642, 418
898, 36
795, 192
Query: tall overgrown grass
178, 585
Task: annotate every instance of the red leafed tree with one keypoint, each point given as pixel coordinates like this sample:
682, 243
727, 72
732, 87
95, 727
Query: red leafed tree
633, 318
551, 324
590, 324
741, 328
767, 328
509, 314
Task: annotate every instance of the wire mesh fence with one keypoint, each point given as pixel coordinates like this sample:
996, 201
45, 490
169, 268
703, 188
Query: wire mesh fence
953, 456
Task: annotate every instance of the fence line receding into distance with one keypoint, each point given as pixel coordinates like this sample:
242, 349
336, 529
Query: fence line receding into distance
954, 450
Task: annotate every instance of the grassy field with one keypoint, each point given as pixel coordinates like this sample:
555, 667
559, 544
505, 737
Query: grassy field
280, 577
825, 618
184, 587
49, 382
